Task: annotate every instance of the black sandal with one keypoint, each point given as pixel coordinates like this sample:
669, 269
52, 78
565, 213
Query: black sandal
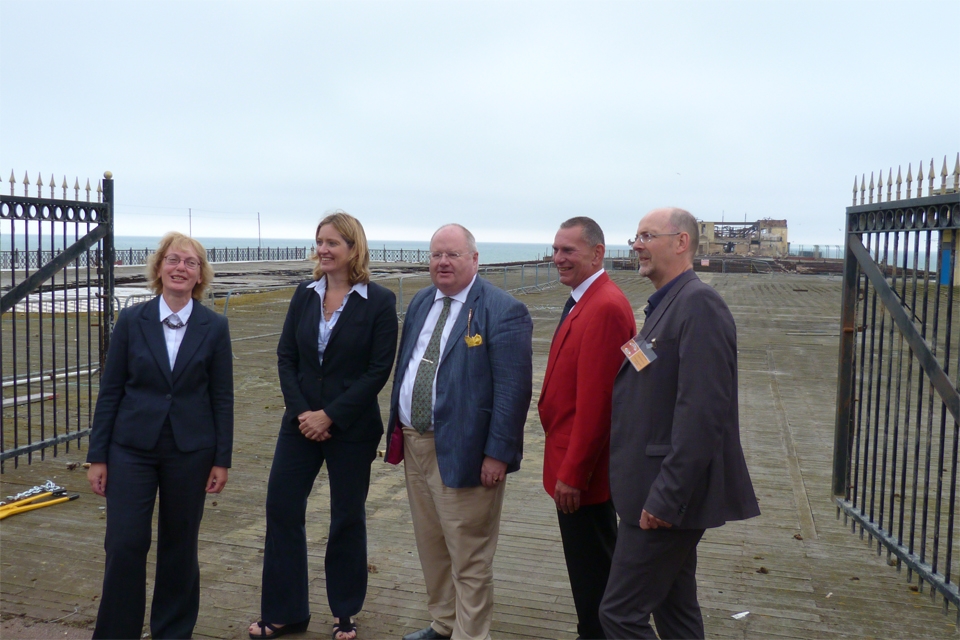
276, 632
344, 625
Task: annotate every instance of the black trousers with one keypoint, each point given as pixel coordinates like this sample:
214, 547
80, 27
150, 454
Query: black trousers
284, 597
654, 571
589, 536
134, 477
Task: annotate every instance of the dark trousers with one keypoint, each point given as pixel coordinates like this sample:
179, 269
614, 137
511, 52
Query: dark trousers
284, 597
653, 572
134, 477
589, 536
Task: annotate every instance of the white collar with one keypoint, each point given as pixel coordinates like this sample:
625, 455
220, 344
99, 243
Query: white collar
460, 296
183, 314
583, 286
320, 286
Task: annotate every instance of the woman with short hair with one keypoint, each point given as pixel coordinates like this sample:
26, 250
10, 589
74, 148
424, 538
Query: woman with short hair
163, 424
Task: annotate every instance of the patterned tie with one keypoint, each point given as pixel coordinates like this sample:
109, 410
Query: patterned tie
173, 321
563, 316
421, 405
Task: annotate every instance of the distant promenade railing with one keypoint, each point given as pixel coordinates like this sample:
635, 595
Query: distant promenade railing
21, 259
422, 256
817, 251
413, 256
516, 279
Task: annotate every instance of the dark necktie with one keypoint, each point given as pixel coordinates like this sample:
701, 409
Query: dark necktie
173, 321
421, 402
563, 316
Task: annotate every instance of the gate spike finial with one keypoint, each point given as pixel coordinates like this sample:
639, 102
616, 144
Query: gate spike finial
76, 188
99, 191
854, 190
899, 181
64, 186
943, 177
863, 187
909, 178
26, 183
956, 174
39, 185
53, 185
890, 184
88, 189
920, 180
13, 181
871, 187
880, 187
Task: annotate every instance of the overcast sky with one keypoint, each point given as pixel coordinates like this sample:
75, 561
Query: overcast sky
508, 117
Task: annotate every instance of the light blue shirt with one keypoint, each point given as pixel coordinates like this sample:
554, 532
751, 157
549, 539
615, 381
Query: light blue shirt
326, 326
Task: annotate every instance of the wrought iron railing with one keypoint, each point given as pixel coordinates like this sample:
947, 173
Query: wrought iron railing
20, 259
898, 409
54, 320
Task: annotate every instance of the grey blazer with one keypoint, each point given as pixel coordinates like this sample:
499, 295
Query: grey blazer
483, 392
675, 434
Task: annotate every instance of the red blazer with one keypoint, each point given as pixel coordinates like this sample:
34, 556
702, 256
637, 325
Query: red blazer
577, 392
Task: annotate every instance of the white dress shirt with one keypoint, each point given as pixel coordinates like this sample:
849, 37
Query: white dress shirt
326, 326
410, 375
174, 337
581, 288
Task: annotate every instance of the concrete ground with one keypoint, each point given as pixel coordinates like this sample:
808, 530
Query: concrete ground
797, 569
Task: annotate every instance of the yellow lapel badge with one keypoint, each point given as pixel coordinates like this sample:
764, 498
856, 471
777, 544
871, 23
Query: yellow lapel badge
474, 340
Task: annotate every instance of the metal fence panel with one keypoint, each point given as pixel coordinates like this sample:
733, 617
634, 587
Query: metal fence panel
55, 324
898, 409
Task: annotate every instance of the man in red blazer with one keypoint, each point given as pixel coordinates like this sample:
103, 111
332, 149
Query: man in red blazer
575, 406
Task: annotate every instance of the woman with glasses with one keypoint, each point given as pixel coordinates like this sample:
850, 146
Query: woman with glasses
335, 354
163, 424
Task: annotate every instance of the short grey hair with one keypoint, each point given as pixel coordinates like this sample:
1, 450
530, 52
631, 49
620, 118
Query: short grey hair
471, 241
591, 232
683, 220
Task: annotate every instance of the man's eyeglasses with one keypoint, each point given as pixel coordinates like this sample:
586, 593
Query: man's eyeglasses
189, 263
437, 256
644, 238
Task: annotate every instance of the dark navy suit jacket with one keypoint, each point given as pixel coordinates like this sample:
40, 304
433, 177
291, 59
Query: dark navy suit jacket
356, 361
139, 392
483, 392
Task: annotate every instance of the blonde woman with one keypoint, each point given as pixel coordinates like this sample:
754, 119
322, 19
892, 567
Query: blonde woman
163, 424
335, 354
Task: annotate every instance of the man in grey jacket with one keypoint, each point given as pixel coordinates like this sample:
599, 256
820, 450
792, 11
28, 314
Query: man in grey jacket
461, 392
676, 464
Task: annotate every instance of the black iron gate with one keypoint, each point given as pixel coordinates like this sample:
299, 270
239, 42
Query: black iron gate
56, 313
898, 410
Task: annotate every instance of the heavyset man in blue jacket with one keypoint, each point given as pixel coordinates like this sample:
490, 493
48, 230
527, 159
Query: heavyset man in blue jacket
461, 392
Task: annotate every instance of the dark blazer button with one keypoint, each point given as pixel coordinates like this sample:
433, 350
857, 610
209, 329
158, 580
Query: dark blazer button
169, 397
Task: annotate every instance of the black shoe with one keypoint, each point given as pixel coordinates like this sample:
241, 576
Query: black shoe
427, 633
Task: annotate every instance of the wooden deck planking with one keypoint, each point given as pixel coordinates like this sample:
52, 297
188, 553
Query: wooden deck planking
52, 558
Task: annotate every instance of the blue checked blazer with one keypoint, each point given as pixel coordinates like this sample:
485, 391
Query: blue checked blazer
483, 392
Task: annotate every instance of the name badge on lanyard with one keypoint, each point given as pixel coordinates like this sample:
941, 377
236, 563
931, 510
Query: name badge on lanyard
639, 355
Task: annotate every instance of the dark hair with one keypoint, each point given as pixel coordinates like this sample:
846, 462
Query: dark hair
592, 234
